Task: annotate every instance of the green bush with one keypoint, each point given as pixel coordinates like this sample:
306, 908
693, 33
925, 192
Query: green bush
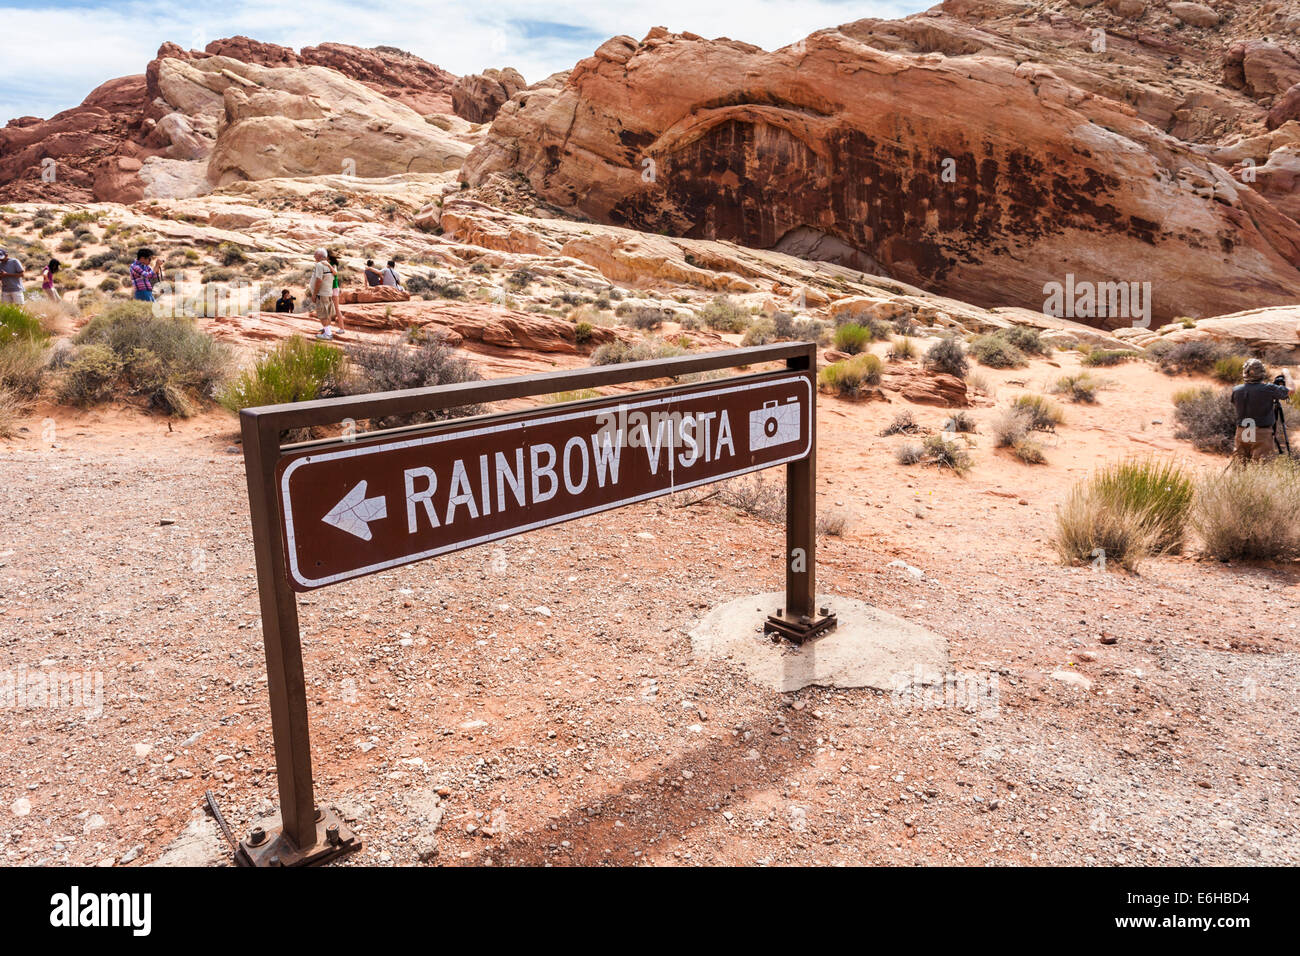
1228, 369
17, 322
1105, 357
296, 370
231, 254
1027, 339
582, 332
1160, 490
1250, 511
1198, 355
1206, 417
852, 338
947, 355
996, 351
848, 377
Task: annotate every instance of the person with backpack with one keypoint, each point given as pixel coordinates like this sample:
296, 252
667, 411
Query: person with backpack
1255, 401
390, 277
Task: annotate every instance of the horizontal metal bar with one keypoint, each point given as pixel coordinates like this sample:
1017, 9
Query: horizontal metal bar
329, 411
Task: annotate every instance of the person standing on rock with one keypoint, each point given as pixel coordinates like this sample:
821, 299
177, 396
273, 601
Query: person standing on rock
319, 290
336, 290
373, 275
1255, 403
390, 278
144, 276
47, 280
11, 279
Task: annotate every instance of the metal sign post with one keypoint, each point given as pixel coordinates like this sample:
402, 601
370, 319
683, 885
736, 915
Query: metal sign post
329, 511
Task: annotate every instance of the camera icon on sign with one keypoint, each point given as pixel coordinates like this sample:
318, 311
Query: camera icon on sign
774, 424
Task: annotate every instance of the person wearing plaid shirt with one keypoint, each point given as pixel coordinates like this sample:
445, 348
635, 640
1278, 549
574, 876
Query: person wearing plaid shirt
143, 276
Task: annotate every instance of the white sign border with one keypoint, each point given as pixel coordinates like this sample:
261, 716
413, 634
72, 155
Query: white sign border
313, 583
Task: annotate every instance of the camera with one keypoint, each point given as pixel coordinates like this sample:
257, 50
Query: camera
774, 424
1280, 380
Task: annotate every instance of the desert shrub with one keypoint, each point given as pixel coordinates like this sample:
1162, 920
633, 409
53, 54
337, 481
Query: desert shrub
761, 332
1228, 369
942, 453
647, 318
218, 274
847, 378
582, 332
1250, 511
1094, 527
852, 338
725, 315
1029, 450
979, 383
1197, 355
909, 453
90, 376
71, 220
834, 522
616, 353
903, 348
397, 367
1206, 417
296, 370
55, 316
1104, 357
961, 421
1043, 414
904, 423
756, 496
167, 360
11, 407
480, 269
231, 254
1010, 426
947, 355
996, 351
17, 322
1159, 489
1027, 339
1080, 388
521, 279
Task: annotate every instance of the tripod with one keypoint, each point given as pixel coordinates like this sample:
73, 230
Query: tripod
1285, 441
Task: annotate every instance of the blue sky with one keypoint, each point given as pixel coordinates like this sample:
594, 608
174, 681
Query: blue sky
57, 51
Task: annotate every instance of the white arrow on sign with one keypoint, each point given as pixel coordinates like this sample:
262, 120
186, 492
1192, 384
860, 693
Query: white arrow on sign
355, 512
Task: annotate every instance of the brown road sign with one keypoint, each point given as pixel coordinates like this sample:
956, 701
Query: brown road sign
351, 508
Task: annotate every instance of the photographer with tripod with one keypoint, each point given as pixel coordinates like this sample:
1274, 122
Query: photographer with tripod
1259, 414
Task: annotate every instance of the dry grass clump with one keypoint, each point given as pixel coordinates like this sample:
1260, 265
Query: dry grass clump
1124, 513
1079, 388
1250, 511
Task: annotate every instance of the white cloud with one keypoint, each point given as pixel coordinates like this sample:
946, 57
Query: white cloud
53, 56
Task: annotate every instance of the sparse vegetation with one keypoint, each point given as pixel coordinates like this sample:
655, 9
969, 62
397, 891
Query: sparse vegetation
961, 422
296, 370
996, 351
615, 353
904, 423
943, 453
1250, 511
396, 367
852, 338
1206, 418
947, 355
1080, 388
909, 453
902, 349
1042, 413
169, 361
1228, 369
1196, 355
1104, 357
725, 315
847, 378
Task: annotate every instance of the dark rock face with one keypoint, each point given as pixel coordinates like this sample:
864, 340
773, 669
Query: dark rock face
926, 150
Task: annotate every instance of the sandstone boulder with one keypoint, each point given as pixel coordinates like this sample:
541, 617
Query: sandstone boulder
1195, 14
373, 293
479, 96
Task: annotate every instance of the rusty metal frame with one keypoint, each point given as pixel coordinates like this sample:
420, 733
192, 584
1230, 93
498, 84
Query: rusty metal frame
311, 835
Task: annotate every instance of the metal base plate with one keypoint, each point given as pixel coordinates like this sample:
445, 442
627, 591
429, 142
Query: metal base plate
273, 848
799, 629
